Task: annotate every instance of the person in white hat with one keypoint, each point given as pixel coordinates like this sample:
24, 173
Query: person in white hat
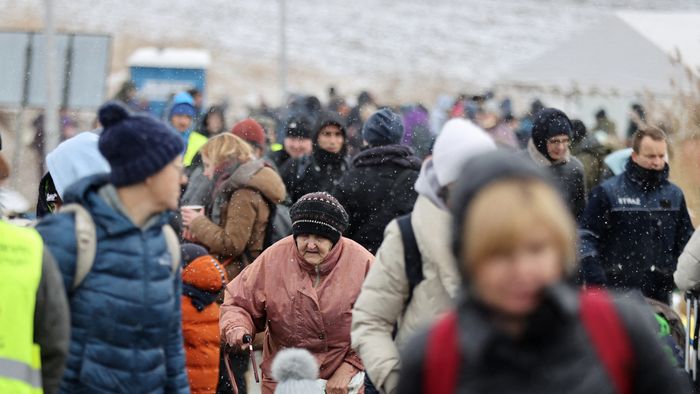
387, 294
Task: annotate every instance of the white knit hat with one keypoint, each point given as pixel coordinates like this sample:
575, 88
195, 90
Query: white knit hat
459, 141
296, 371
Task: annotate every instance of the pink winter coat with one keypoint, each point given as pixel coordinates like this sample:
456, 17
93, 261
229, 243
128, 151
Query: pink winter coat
277, 292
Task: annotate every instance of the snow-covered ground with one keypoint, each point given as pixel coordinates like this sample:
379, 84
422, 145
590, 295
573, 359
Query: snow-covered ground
410, 49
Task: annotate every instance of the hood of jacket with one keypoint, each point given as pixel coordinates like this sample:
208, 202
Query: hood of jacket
74, 159
400, 155
617, 160
541, 159
433, 228
205, 273
330, 118
98, 196
255, 174
428, 185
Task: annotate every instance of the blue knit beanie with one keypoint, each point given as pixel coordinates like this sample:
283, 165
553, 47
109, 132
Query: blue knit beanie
384, 127
136, 146
183, 104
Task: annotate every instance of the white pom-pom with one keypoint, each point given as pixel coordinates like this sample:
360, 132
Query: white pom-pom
294, 364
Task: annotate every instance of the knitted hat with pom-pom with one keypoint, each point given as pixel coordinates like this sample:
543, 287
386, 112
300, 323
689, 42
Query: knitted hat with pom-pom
136, 146
296, 371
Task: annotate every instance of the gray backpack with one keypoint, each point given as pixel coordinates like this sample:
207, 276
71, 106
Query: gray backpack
86, 237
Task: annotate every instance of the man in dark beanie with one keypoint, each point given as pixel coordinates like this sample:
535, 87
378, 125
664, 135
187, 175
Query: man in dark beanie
297, 141
549, 147
125, 288
323, 169
379, 187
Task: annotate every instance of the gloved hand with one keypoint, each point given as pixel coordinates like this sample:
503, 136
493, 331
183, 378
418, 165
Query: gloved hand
234, 337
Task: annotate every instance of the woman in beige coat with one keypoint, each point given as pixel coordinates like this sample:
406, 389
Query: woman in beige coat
382, 305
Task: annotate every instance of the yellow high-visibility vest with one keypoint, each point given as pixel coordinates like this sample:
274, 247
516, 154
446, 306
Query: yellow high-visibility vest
194, 144
21, 253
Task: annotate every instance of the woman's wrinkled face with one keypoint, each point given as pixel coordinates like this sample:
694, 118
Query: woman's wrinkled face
513, 283
313, 248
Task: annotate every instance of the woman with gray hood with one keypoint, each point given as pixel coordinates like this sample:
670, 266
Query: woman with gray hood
388, 311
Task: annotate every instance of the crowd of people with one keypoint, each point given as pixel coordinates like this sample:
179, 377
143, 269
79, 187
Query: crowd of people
364, 249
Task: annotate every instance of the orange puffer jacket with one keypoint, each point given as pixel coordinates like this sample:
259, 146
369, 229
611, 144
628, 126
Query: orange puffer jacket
207, 277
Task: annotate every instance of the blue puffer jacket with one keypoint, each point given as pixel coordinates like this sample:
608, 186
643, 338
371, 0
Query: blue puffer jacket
126, 332
633, 230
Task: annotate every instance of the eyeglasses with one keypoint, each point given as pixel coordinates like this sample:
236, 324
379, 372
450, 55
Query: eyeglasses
559, 141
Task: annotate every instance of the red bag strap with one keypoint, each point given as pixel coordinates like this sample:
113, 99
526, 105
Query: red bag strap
609, 337
442, 358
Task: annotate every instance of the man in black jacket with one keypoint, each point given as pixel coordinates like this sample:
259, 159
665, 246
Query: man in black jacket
379, 187
636, 224
322, 170
549, 147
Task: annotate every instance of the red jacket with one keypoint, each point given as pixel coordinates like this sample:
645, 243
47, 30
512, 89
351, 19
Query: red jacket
201, 328
277, 292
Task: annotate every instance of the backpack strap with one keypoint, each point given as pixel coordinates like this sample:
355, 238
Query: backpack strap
413, 260
173, 244
86, 239
442, 357
609, 337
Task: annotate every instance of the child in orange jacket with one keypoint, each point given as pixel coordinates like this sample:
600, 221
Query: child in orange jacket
203, 279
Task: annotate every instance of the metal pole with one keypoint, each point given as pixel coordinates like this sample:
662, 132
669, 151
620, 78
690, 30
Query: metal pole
283, 52
51, 106
67, 72
19, 119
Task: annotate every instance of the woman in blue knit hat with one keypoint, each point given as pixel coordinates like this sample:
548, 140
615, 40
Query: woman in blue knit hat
124, 286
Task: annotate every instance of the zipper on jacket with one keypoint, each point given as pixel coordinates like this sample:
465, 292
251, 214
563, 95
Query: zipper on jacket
318, 277
144, 254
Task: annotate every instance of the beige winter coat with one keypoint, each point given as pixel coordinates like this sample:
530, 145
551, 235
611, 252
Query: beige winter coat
687, 275
385, 292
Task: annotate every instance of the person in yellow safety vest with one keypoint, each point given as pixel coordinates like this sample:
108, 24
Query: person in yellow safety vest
34, 315
181, 117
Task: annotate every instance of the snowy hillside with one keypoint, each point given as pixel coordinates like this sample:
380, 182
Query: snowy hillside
409, 49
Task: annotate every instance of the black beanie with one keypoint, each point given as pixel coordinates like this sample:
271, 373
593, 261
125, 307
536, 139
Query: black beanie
299, 127
548, 123
319, 214
136, 146
479, 172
